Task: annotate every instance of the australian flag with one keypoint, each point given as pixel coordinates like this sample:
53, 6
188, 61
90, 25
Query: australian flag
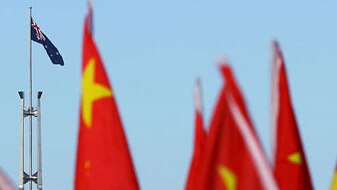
39, 37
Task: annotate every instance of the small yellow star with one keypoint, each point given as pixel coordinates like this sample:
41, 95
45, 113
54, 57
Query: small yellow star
87, 165
295, 158
228, 177
91, 92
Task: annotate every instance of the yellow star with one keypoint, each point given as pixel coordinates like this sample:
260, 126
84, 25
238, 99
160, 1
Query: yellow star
87, 165
228, 177
91, 92
295, 158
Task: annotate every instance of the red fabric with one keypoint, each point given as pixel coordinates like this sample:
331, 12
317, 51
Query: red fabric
199, 142
5, 182
290, 176
103, 158
225, 144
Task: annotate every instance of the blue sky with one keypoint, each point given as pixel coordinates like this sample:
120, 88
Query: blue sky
153, 51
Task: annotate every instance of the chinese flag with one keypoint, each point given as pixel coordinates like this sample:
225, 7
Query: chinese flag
234, 158
5, 182
103, 158
199, 140
290, 165
334, 181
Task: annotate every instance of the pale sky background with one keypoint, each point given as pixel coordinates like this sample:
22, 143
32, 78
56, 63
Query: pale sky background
153, 51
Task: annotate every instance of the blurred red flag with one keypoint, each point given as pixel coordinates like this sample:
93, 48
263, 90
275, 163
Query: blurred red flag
334, 180
5, 182
234, 158
103, 157
290, 165
199, 140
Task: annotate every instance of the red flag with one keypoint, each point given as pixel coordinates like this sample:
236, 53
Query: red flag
199, 140
5, 182
103, 157
290, 165
234, 158
334, 181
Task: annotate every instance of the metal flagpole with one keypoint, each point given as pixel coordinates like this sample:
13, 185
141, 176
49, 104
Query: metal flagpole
39, 152
22, 146
30, 112
30, 109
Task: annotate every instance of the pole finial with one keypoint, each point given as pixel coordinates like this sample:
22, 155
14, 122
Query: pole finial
21, 94
39, 94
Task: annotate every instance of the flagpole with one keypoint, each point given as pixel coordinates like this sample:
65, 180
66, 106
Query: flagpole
39, 151
30, 101
22, 144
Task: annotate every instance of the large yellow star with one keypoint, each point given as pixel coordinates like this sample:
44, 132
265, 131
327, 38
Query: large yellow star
91, 92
